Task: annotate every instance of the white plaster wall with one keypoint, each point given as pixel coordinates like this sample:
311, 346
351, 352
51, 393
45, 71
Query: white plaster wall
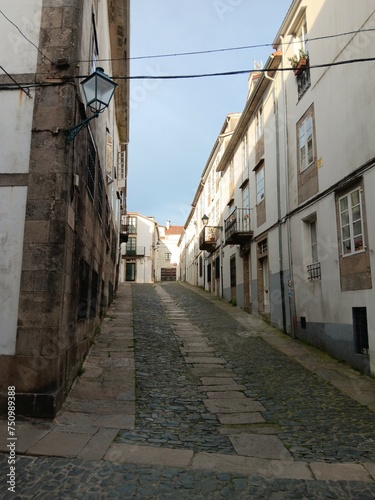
15, 131
12, 219
17, 54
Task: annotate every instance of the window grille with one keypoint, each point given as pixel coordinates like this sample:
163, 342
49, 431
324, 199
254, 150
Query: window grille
314, 272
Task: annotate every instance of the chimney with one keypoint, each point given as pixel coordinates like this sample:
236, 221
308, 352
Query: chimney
168, 224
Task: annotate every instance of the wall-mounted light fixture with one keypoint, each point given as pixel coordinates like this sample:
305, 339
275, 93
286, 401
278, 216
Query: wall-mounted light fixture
98, 89
205, 220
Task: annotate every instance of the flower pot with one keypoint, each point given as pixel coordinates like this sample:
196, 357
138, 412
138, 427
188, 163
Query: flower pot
302, 63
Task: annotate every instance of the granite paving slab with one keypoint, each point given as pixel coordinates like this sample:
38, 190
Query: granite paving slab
238, 405
254, 445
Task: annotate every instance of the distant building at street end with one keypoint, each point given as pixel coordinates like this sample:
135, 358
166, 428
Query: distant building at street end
137, 251
167, 253
149, 251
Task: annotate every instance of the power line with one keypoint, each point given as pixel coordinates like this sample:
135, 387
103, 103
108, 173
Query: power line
179, 77
27, 92
230, 73
226, 49
25, 37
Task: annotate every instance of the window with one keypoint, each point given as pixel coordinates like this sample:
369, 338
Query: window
132, 225
84, 273
260, 185
100, 195
102, 300
131, 246
245, 197
91, 160
94, 46
361, 345
209, 271
209, 190
351, 223
259, 124
107, 219
263, 248
306, 143
94, 293
301, 37
217, 212
109, 156
314, 241
217, 268
245, 158
232, 264
313, 269
168, 256
111, 293
231, 179
200, 266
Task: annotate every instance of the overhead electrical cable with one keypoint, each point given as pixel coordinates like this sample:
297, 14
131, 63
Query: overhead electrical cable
24, 89
229, 73
244, 47
176, 77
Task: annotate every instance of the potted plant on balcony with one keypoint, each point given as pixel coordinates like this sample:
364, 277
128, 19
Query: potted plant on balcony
299, 61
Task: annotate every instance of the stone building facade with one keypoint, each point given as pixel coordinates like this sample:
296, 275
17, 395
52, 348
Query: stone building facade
60, 203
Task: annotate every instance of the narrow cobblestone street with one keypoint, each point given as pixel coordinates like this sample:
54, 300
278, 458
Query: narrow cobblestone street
185, 396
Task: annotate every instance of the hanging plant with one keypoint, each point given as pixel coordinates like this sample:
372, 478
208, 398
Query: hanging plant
299, 61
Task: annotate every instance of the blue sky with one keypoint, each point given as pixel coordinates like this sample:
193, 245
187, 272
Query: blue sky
174, 123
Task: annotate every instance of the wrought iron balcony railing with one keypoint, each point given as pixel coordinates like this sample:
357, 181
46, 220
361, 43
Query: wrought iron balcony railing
208, 238
238, 227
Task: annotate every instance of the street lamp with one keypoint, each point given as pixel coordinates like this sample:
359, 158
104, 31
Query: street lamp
205, 220
98, 90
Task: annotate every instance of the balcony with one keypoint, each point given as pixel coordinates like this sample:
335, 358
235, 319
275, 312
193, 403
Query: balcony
238, 227
135, 252
208, 238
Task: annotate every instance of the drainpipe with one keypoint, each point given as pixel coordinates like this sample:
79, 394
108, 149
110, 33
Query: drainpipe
291, 296
279, 227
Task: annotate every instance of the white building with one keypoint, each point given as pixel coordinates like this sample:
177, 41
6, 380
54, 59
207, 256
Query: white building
292, 239
137, 263
167, 252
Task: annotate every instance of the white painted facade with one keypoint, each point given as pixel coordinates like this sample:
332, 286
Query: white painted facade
167, 251
310, 153
15, 133
137, 263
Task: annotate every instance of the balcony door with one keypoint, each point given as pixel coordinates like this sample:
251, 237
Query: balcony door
263, 286
130, 271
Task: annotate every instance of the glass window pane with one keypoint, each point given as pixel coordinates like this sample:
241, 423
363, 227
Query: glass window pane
346, 232
347, 247
344, 204
356, 213
357, 228
303, 157
310, 150
345, 218
355, 198
358, 243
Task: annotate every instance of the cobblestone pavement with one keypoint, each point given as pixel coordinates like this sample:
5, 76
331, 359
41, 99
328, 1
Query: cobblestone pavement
61, 478
170, 410
219, 413
315, 420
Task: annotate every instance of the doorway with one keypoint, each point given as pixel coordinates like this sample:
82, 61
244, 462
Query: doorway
130, 271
